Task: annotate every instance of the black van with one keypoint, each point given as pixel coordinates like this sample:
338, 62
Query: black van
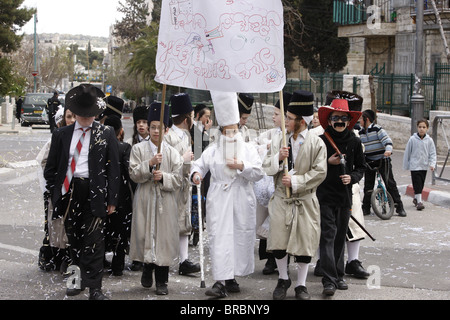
33, 108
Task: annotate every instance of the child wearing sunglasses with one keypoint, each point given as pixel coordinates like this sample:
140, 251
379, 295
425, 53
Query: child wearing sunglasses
346, 167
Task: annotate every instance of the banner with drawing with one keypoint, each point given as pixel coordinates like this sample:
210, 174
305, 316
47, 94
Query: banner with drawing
224, 45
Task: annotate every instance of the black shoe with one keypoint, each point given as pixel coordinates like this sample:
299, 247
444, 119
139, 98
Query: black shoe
400, 210
136, 266
366, 211
356, 269
161, 289
329, 289
188, 267
342, 285
97, 294
270, 267
415, 202
147, 276
280, 291
218, 290
117, 273
420, 206
232, 286
301, 293
73, 292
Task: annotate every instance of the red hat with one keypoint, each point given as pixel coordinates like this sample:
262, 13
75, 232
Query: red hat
337, 105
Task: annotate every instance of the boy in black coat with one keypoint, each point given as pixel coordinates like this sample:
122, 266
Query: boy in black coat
82, 176
345, 167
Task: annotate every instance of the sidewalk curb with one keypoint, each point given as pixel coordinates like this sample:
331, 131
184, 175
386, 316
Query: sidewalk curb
435, 197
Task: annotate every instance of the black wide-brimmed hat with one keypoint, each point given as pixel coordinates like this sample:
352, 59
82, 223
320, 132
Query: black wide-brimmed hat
180, 104
354, 101
154, 113
140, 113
286, 99
301, 103
245, 102
86, 100
113, 121
114, 106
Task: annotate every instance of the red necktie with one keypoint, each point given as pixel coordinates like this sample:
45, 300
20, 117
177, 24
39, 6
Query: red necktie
73, 163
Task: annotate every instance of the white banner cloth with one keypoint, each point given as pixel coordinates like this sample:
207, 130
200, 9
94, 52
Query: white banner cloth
224, 45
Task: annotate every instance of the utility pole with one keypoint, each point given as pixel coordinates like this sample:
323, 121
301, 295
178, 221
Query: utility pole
417, 99
35, 53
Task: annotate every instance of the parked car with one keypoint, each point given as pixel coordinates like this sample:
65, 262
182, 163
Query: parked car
34, 109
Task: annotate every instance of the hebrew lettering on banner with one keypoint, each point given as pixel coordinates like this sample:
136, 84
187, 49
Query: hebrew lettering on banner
225, 45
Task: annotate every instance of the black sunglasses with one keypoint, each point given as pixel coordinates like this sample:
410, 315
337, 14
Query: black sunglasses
337, 118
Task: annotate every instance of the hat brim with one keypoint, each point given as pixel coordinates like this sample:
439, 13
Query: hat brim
324, 113
83, 110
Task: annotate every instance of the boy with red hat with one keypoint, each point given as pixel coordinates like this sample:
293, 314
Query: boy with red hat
346, 166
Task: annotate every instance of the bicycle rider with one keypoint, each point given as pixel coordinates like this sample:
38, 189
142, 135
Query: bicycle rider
377, 150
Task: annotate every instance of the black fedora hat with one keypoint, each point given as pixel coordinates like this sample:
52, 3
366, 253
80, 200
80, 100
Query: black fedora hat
113, 121
180, 104
354, 101
301, 103
114, 106
286, 99
86, 100
245, 102
154, 113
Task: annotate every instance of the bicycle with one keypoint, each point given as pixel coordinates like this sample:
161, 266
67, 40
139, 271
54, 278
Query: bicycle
381, 200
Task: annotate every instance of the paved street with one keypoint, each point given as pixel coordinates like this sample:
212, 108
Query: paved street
409, 259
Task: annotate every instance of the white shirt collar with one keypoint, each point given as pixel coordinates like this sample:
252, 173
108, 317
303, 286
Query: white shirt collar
77, 126
178, 131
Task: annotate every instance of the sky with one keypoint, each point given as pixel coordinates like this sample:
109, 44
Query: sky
87, 17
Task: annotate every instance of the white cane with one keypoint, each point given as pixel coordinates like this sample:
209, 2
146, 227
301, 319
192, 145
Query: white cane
200, 232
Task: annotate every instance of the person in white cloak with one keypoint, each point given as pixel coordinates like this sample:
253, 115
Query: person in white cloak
154, 236
179, 137
231, 202
295, 219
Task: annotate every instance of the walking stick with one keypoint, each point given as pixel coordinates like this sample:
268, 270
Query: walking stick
200, 232
283, 130
342, 162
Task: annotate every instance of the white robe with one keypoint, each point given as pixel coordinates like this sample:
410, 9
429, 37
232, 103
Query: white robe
231, 207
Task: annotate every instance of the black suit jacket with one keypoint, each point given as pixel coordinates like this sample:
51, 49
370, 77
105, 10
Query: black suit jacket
103, 162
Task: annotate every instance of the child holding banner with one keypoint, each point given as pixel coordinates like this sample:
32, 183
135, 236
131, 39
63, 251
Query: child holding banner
295, 220
154, 228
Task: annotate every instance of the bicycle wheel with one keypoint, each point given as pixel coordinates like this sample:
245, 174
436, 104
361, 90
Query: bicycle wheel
383, 208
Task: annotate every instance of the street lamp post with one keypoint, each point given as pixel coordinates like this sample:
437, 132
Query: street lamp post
417, 99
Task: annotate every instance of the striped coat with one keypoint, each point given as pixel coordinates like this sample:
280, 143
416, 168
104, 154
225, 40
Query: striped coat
376, 141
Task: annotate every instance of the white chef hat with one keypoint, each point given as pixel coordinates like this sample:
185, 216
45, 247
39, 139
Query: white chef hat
226, 107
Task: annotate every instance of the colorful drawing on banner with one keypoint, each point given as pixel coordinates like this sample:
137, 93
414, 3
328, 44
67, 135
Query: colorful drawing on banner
226, 45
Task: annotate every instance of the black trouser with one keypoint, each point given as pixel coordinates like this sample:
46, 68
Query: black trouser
418, 180
280, 254
85, 235
51, 122
385, 169
117, 234
333, 226
161, 272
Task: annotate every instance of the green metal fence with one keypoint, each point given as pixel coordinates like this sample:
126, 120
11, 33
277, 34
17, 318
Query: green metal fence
392, 91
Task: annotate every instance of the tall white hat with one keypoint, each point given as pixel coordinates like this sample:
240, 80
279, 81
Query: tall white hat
226, 107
